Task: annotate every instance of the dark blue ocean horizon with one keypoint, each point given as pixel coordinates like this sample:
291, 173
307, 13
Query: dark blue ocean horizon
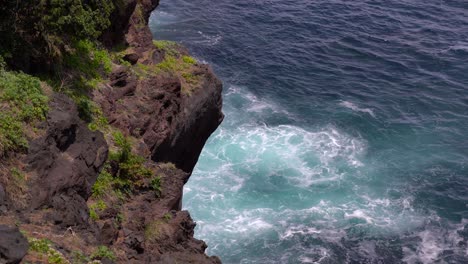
345, 138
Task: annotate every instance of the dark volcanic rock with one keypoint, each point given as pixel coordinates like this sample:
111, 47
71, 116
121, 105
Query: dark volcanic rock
200, 116
169, 120
66, 161
2, 195
132, 58
13, 245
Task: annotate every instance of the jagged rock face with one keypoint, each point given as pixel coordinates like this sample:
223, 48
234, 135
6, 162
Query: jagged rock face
13, 245
65, 163
170, 125
198, 119
152, 236
129, 24
174, 127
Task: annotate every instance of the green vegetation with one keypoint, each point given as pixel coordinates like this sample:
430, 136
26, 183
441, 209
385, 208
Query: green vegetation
44, 28
131, 167
79, 258
23, 103
155, 185
103, 252
39, 245
127, 171
175, 62
153, 231
44, 247
189, 60
167, 46
89, 59
17, 175
99, 206
167, 217
90, 112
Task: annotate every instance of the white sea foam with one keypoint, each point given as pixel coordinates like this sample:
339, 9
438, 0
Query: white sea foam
359, 214
434, 240
356, 108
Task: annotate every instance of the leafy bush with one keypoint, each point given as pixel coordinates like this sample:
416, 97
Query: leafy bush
127, 170
39, 245
45, 27
22, 102
175, 62
86, 57
100, 205
44, 246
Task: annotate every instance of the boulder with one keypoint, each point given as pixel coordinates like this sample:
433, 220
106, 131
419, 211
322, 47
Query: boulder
13, 245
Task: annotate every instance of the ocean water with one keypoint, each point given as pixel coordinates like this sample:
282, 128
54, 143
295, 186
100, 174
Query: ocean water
345, 138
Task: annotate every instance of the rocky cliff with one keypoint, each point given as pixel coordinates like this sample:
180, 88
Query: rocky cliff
100, 173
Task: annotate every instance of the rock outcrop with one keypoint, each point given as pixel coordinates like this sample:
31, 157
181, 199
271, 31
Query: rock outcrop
168, 124
13, 245
65, 164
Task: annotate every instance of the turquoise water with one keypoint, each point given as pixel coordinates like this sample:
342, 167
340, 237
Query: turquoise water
345, 133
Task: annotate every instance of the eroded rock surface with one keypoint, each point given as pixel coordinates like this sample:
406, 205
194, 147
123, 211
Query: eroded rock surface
13, 245
169, 125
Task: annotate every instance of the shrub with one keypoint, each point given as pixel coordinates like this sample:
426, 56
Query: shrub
86, 57
103, 252
39, 245
91, 113
128, 170
189, 60
155, 185
100, 205
44, 28
44, 246
22, 103
153, 230
167, 217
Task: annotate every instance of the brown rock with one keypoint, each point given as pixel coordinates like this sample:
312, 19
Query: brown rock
66, 162
13, 245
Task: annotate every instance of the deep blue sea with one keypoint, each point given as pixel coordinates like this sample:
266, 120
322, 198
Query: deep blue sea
346, 130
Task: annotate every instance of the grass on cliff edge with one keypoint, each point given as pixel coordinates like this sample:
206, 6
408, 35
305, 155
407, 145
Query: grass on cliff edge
22, 104
176, 63
44, 249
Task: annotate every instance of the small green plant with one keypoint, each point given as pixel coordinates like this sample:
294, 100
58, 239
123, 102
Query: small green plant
119, 218
99, 206
44, 246
131, 170
189, 60
39, 245
156, 186
153, 230
167, 217
190, 78
93, 214
91, 113
103, 184
103, 252
79, 258
88, 59
167, 46
18, 176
